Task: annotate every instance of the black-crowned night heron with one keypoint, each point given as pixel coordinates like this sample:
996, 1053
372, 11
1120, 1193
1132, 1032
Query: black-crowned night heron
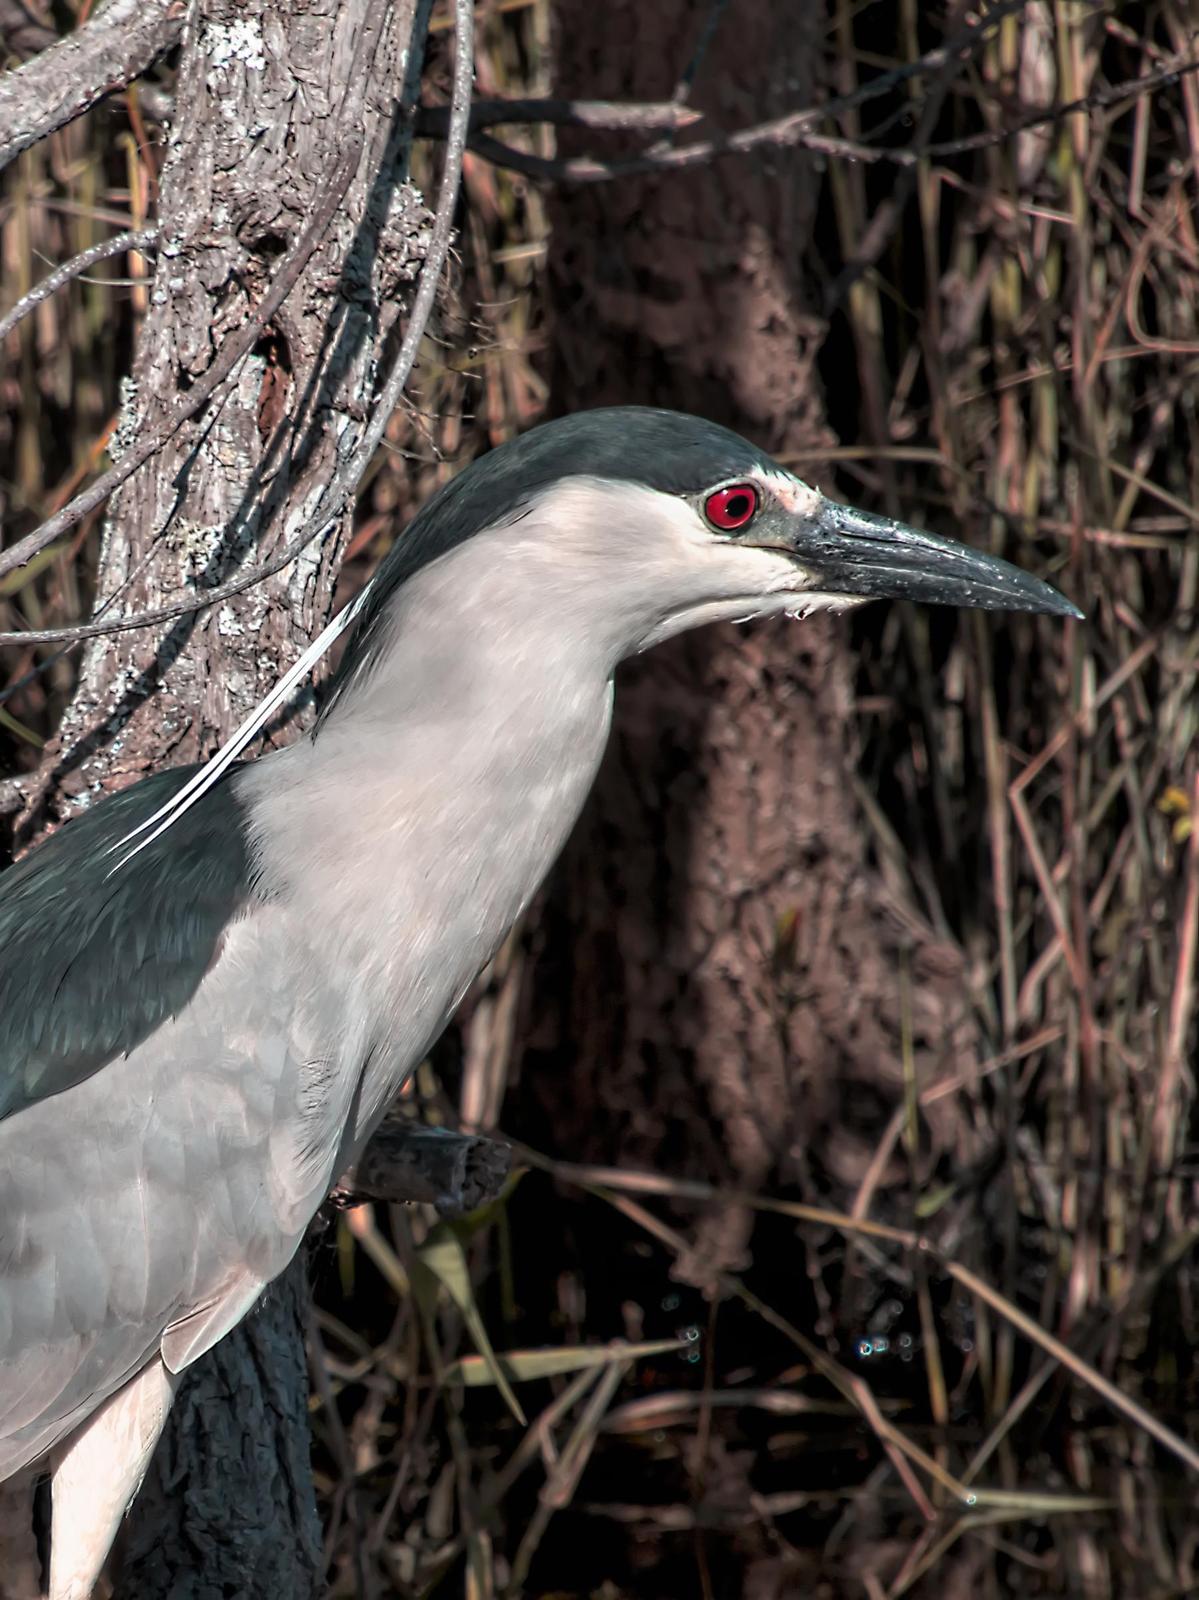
213, 984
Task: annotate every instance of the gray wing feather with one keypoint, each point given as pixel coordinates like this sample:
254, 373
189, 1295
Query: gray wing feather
145, 1208
91, 961
171, 1105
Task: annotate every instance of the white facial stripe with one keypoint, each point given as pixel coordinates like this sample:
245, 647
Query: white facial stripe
792, 493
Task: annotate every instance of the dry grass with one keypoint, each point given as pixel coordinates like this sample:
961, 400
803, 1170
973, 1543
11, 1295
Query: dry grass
1019, 1410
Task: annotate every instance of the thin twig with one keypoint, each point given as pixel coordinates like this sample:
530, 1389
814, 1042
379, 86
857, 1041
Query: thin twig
796, 127
1070, 1359
683, 88
591, 169
886, 218
638, 116
345, 481
797, 130
886, 1435
607, 1181
133, 239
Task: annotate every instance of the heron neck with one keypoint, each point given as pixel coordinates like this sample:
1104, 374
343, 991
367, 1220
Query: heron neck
407, 838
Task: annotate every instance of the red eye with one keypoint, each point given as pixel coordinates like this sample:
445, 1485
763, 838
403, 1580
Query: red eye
732, 507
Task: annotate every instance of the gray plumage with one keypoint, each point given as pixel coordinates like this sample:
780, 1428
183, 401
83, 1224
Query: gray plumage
195, 1041
91, 964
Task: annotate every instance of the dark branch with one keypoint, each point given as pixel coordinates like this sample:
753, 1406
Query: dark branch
887, 215
114, 46
797, 130
784, 132
683, 88
132, 240
1131, 89
407, 1161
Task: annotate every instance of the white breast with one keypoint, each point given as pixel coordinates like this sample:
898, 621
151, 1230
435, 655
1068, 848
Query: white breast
403, 843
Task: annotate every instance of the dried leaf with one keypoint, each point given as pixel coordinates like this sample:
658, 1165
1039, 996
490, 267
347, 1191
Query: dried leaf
442, 1258
525, 1366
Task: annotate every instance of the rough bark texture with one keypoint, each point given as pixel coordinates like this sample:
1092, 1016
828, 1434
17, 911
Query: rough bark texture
257, 120
718, 989
228, 1508
20, 1562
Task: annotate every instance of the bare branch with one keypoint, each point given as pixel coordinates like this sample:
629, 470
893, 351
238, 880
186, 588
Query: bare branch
346, 480
1131, 89
134, 239
796, 130
780, 131
432, 122
237, 346
116, 44
407, 1161
791, 131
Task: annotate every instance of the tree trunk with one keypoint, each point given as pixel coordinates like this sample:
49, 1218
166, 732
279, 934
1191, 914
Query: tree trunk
720, 982
264, 92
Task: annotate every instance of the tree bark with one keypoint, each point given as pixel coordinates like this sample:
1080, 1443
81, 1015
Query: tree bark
228, 1506
718, 981
264, 90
